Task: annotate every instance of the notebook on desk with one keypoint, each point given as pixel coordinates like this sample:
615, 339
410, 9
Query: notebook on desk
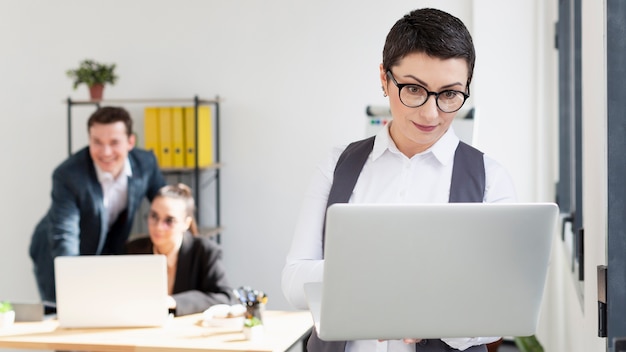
111, 291
432, 271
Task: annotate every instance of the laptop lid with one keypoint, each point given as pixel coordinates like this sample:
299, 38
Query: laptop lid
396, 271
111, 291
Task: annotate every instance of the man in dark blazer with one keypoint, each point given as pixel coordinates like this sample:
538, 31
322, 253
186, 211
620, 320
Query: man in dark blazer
95, 195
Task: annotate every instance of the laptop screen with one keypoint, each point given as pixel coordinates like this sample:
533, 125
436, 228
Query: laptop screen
111, 290
433, 270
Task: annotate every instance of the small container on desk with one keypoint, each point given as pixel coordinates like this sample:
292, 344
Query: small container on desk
254, 301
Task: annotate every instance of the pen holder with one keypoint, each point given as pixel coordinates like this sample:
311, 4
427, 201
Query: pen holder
254, 313
254, 301
253, 327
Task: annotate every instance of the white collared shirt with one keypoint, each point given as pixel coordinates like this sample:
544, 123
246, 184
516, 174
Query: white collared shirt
114, 191
387, 177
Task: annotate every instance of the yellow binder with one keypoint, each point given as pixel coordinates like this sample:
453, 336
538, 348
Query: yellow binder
165, 137
178, 137
151, 131
205, 139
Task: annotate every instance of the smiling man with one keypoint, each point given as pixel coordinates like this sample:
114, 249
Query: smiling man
95, 195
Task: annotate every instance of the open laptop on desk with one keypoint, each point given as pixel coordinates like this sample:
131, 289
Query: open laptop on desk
111, 291
432, 270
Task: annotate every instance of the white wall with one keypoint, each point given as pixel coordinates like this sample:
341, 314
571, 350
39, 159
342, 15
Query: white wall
296, 77
595, 197
510, 119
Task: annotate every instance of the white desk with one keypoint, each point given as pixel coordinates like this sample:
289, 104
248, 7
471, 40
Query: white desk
282, 331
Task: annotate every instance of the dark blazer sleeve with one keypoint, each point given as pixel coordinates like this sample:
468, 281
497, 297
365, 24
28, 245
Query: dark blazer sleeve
64, 217
200, 276
75, 216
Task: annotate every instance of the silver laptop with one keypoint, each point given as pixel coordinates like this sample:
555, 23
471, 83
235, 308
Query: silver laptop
111, 291
432, 271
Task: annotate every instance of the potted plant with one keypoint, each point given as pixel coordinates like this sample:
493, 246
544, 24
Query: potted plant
523, 344
7, 314
253, 328
528, 344
95, 75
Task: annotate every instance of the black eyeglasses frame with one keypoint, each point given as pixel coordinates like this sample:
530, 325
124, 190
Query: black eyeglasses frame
428, 94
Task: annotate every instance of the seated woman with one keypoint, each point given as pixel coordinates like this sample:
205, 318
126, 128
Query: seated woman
195, 272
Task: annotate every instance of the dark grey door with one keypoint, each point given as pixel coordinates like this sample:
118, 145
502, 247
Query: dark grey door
616, 148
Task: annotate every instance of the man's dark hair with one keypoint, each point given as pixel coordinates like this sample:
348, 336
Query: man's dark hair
432, 32
111, 114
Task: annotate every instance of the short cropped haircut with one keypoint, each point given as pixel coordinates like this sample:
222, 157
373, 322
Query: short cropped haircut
432, 32
111, 114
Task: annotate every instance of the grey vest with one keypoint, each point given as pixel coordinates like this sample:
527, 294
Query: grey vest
467, 185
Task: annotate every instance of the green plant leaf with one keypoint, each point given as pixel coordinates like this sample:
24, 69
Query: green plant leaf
91, 72
528, 344
254, 321
5, 306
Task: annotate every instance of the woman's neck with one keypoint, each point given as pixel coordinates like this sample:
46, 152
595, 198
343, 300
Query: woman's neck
170, 247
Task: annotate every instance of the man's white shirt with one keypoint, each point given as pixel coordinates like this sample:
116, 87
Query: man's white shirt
114, 191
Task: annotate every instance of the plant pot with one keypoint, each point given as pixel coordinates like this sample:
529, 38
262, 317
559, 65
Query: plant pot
493, 347
95, 91
253, 333
7, 318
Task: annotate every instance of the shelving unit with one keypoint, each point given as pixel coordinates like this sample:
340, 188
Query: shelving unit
196, 172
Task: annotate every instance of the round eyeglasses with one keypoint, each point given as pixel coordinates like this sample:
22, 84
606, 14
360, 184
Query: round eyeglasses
168, 221
414, 96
